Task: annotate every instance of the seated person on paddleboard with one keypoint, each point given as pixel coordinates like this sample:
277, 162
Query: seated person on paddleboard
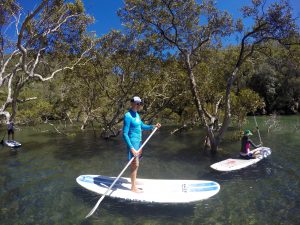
246, 143
132, 134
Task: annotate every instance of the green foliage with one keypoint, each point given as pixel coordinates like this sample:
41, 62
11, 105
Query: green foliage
35, 112
246, 101
38, 109
175, 25
276, 79
265, 81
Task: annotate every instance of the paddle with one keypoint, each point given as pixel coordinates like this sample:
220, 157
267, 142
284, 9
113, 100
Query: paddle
3, 139
257, 129
103, 196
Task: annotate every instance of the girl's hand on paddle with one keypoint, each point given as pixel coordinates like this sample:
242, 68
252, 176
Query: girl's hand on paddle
158, 125
133, 151
136, 153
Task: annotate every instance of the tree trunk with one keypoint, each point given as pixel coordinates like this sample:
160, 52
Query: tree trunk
227, 113
84, 123
213, 142
14, 104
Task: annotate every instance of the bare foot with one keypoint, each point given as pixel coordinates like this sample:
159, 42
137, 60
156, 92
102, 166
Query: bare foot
137, 190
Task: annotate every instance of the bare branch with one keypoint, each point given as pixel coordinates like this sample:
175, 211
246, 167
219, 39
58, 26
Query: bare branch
17, 20
41, 78
37, 59
8, 100
59, 25
3, 67
207, 114
218, 104
22, 30
26, 99
56, 128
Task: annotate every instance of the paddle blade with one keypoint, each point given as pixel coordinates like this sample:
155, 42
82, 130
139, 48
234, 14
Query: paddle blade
95, 207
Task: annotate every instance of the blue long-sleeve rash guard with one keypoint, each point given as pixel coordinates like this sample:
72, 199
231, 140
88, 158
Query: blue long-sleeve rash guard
132, 129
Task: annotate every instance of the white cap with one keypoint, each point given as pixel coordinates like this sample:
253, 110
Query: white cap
136, 99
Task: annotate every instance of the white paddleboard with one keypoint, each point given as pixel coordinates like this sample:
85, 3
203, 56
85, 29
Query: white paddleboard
236, 164
156, 191
12, 144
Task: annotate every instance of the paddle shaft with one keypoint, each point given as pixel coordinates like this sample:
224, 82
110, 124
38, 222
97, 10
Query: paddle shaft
257, 129
118, 177
3, 138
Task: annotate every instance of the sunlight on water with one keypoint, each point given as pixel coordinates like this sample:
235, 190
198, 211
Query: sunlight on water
38, 181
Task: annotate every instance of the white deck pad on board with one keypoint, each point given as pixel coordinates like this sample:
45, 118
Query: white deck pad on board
159, 191
236, 164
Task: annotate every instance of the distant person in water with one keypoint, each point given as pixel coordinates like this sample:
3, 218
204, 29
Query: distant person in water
10, 130
132, 134
246, 143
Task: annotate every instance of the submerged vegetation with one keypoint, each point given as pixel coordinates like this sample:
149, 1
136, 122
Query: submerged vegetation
56, 70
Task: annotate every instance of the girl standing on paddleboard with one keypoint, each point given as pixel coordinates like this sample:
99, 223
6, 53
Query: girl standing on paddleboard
132, 134
246, 143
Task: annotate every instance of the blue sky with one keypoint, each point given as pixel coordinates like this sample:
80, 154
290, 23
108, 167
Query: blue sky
106, 19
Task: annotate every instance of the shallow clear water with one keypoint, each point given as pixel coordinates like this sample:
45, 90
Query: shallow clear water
38, 180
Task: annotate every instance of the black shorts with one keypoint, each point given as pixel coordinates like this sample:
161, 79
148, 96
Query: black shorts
10, 131
249, 156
